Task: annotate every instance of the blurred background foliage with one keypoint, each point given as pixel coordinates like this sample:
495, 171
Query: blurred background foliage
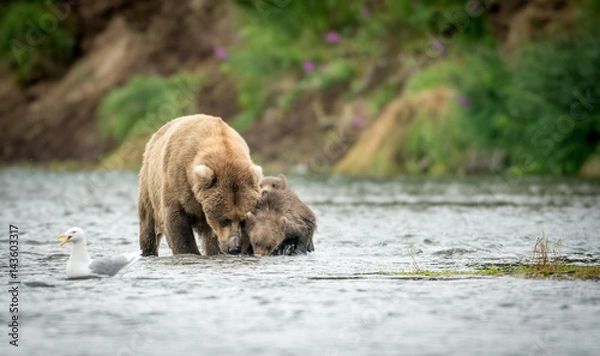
330, 41
33, 42
517, 107
539, 108
145, 103
531, 107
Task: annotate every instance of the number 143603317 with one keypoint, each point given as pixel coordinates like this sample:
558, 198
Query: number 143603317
13, 251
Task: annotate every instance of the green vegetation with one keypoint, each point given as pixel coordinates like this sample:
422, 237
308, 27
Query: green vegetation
146, 102
546, 262
436, 145
545, 257
533, 111
415, 264
523, 271
563, 271
540, 107
324, 43
518, 107
34, 40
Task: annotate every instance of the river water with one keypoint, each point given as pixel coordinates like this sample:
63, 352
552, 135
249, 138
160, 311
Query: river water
343, 299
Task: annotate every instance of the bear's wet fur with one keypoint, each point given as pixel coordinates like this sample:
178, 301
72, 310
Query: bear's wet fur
270, 183
280, 224
196, 175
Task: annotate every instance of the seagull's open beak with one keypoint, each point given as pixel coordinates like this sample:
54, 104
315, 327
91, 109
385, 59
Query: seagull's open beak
62, 237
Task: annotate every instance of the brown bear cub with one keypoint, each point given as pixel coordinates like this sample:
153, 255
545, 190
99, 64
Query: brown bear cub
268, 184
281, 224
197, 175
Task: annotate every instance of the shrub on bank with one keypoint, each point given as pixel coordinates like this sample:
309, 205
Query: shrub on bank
542, 108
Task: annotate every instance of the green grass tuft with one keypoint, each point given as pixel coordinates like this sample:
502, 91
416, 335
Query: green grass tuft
545, 263
523, 271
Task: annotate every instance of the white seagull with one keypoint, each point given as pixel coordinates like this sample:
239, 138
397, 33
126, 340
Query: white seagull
80, 264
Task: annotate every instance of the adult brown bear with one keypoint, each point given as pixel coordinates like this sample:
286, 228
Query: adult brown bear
196, 174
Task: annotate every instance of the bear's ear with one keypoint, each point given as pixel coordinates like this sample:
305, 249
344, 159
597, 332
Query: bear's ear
283, 221
205, 175
283, 181
258, 172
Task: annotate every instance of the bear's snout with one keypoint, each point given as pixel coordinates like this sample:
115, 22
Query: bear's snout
234, 250
233, 244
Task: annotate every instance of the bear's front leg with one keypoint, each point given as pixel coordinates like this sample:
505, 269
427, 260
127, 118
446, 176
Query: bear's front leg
178, 230
210, 243
149, 239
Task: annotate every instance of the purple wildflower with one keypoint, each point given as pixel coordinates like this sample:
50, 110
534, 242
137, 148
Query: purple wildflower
438, 46
474, 8
365, 12
332, 37
464, 101
358, 122
221, 53
308, 67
